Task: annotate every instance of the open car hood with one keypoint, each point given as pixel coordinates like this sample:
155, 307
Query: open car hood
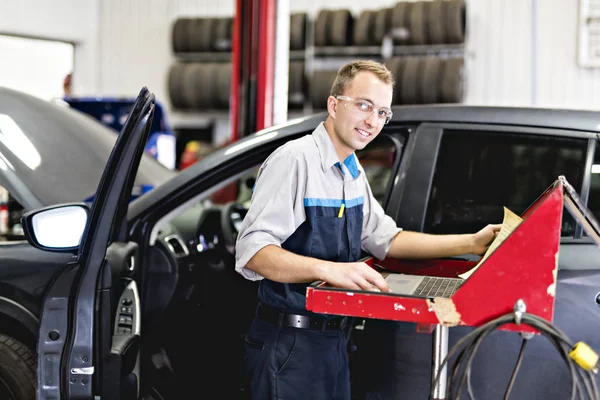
52, 154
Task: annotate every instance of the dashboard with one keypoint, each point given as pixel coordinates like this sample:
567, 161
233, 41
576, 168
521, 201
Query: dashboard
204, 229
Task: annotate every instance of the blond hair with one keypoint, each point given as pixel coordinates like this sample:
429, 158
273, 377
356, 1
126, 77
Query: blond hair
348, 72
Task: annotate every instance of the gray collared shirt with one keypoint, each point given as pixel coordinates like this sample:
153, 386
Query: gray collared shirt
307, 172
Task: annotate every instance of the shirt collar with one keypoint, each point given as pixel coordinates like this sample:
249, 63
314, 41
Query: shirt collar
329, 157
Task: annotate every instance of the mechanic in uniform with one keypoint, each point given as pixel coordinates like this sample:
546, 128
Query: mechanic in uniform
311, 214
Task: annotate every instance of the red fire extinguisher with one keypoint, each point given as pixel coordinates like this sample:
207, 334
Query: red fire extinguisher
3, 219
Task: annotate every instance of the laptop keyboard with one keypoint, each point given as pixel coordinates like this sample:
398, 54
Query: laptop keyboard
433, 286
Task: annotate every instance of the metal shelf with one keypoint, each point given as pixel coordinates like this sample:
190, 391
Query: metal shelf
297, 55
196, 118
207, 56
428, 49
343, 51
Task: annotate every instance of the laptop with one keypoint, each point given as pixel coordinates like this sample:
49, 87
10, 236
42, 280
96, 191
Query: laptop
433, 286
423, 286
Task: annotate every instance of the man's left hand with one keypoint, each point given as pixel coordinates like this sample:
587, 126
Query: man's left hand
485, 237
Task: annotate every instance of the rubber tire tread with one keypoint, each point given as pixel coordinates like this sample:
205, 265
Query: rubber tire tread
18, 367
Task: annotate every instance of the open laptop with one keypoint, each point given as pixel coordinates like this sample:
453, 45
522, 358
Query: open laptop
433, 286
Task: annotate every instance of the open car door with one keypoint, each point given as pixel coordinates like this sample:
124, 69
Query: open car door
79, 348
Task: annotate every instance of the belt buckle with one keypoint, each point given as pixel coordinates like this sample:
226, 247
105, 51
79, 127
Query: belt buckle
298, 321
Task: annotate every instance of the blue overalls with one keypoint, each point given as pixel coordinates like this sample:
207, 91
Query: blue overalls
308, 203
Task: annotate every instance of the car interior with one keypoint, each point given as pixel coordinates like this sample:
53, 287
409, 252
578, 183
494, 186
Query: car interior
194, 307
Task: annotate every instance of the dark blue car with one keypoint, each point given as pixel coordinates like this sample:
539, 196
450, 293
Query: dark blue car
141, 300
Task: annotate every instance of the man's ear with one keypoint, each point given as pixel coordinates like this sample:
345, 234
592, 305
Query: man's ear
332, 106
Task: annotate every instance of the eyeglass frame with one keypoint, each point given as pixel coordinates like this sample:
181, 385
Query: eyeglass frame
388, 117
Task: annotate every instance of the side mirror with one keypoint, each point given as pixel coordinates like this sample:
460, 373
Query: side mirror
56, 228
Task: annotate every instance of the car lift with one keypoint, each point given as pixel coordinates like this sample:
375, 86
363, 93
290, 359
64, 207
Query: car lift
260, 64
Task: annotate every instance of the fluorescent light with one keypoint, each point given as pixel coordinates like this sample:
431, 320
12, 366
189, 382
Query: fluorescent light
596, 169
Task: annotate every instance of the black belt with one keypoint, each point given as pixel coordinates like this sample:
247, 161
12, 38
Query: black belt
272, 315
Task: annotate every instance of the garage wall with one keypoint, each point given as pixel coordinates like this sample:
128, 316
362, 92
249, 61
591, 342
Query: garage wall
519, 52
74, 21
560, 81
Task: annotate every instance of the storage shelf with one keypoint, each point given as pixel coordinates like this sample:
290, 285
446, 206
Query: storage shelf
341, 51
427, 49
207, 56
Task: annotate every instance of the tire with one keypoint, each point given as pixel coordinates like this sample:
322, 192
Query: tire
297, 31
418, 23
341, 28
455, 24
396, 65
321, 32
400, 22
364, 28
222, 34
453, 80
17, 369
191, 85
410, 81
179, 35
195, 35
436, 22
296, 84
208, 86
224, 85
383, 23
320, 87
175, 82
210, 28
431, 91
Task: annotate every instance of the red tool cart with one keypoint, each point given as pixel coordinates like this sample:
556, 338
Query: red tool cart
518, 273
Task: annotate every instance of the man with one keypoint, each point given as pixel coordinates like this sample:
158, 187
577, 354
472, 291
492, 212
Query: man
312, 213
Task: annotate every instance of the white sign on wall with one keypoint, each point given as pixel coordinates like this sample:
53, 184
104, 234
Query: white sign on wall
588, 33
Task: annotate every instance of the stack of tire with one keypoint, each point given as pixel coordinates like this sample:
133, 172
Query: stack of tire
195, 35
203, 85
200, 85
206, 85
432, 79
409, 23
427, 79
427, 22
297, 83
419, 80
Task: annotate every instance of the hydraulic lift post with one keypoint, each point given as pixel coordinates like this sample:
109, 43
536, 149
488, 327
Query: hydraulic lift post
260, 59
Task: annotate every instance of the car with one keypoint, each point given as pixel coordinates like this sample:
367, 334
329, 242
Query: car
140, 299
48, 154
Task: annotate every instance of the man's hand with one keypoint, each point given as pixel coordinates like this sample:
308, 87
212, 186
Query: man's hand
355, 276
485, 237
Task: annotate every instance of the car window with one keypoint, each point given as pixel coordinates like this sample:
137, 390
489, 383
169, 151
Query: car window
377, 159
594, 197
477, 173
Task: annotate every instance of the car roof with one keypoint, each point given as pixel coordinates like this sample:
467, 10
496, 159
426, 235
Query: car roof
578, 120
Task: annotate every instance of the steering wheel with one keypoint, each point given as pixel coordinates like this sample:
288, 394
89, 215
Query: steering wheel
232, 215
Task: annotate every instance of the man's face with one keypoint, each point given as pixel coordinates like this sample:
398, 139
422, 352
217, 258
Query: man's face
354, 127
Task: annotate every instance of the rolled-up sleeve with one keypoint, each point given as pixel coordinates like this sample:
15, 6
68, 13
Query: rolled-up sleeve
379, 229
276, 209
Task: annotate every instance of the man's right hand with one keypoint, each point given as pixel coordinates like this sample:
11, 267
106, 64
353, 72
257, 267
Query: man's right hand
354, 275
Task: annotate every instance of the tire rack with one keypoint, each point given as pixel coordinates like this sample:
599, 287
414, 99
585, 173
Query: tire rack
421, 42
202, 47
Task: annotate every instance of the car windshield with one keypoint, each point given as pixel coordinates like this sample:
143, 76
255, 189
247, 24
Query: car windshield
50, 153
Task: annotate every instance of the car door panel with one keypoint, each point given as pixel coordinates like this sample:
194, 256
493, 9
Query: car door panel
403, 361
422, 154
78, 353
